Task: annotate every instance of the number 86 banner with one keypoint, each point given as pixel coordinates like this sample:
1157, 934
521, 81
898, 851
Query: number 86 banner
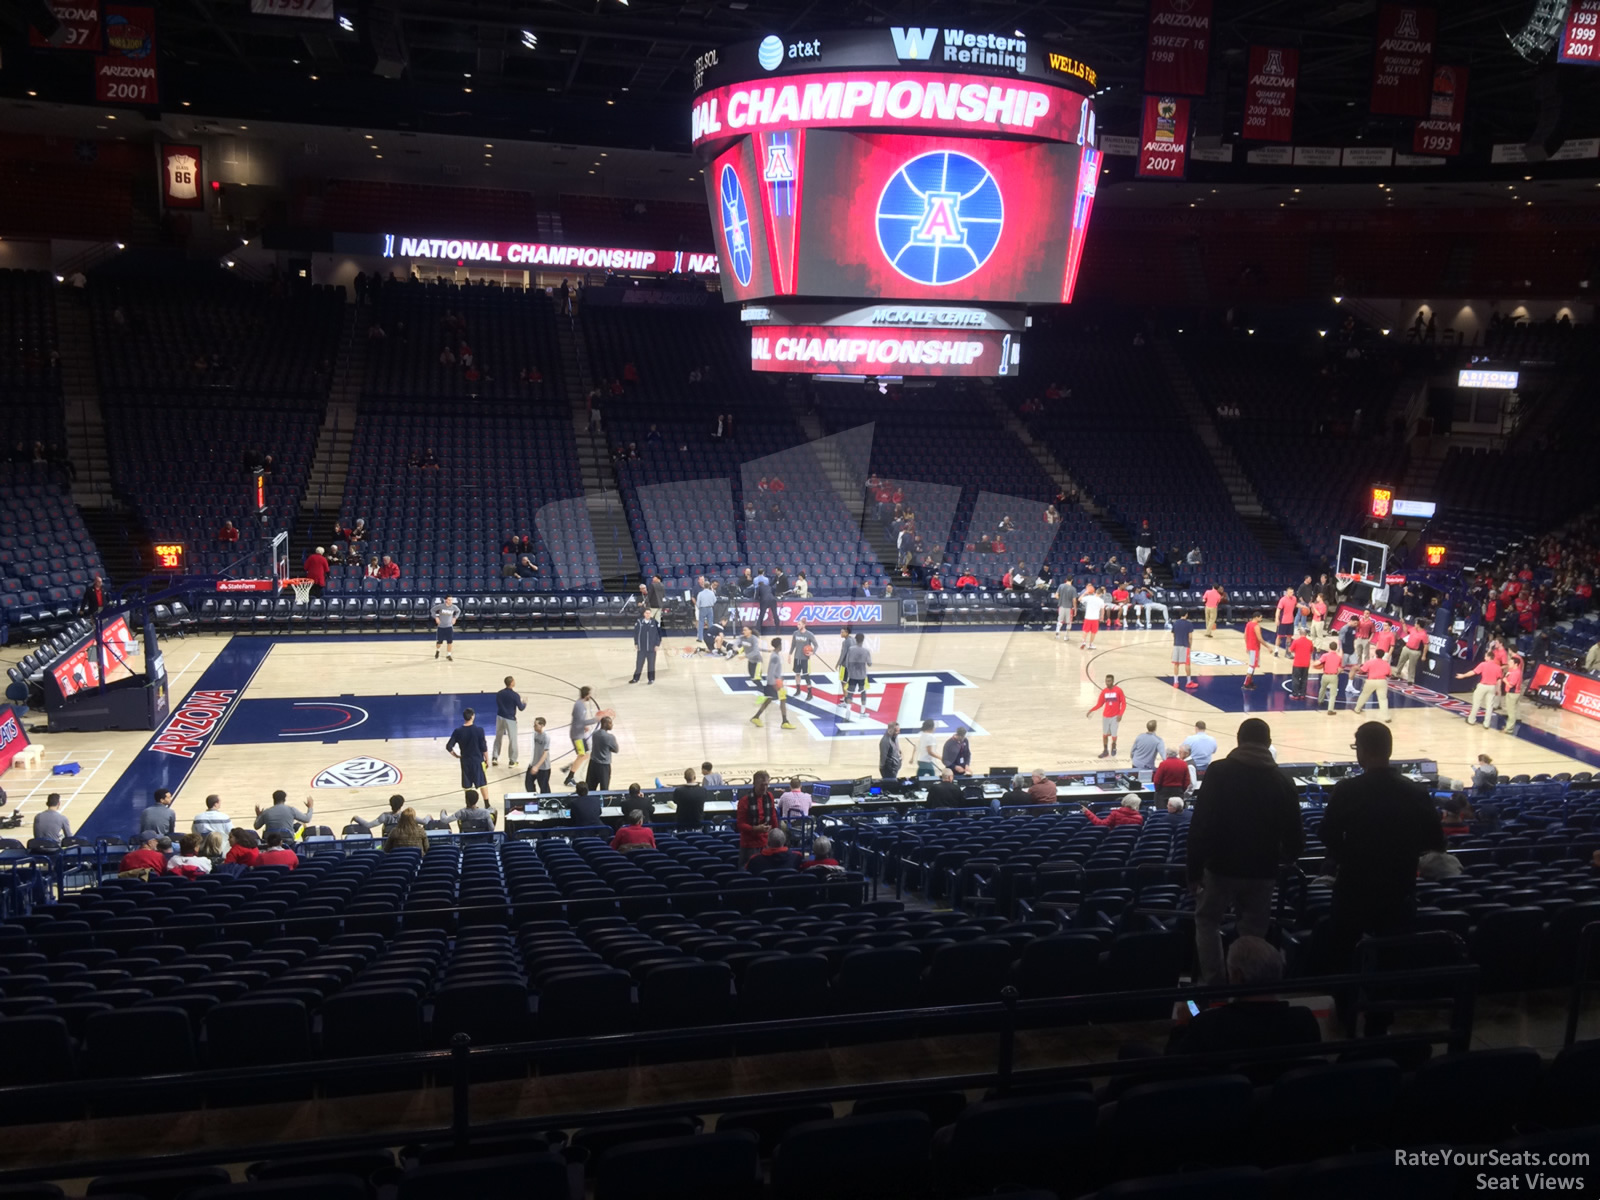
1164, 138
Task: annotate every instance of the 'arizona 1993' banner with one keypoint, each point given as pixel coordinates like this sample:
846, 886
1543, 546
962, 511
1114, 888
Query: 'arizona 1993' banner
1440, 131
1581, 33
1178, 47
1402, 74
1164, 137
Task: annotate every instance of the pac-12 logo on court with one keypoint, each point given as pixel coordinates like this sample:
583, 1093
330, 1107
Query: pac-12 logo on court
358, 773
1208, 658
905, 697
735, 224
939, 217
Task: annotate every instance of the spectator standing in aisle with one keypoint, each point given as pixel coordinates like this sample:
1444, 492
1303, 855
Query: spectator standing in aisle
316, 569
507, 704
445, 614
469, 745
1375, 827
1246, 825
755, 816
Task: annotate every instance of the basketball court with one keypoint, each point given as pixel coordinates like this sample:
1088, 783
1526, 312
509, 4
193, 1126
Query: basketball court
352, 720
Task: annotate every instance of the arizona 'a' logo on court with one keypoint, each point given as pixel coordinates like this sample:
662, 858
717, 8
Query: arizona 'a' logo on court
905, 697
358, 773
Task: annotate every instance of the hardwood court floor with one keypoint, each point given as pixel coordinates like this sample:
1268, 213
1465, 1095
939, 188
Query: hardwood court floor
364, 717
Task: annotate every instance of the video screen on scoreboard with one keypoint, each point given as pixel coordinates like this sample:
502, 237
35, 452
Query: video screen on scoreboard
902, 216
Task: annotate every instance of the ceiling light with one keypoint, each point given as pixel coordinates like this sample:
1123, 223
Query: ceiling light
1338, 299
380, 156
610, 101
346, 24
121, 246
1527, 178
313, 79
530, 39
111, 116
1251, 332
244, 127
36, 93
1322, 333
185, 103
228, 263
466, 74
488, 155
602, 154
488, 145
468, 91
368, 136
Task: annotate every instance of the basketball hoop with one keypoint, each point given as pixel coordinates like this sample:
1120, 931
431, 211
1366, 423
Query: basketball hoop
302, 589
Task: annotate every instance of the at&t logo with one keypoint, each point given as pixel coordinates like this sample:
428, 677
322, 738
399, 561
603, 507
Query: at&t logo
735, 224
939, 217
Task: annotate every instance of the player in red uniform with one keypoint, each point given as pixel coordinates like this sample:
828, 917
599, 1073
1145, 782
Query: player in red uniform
1111, 705
1252, 649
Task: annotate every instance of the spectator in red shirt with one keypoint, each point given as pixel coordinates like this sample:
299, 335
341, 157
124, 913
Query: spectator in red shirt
242, 848
1171, 776
316, 569
634, 835
1252, 649
277, 854
1127, 813
776, 485
146, 857
755, 817
389, 569
227, 533
966, 580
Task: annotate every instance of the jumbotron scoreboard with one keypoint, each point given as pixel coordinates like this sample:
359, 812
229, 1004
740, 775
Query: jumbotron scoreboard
887, 201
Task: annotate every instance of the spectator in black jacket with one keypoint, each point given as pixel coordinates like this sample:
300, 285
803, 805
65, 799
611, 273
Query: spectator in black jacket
689, 801
1246, 823
585, 808
1375, 827
947, 792
1251, 1022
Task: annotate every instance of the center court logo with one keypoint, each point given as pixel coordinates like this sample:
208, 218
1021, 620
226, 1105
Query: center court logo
735, 224
905, 697
939, 218
358, 773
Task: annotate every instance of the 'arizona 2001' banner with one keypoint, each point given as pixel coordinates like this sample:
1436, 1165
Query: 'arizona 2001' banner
126, 72
1440, 131
1178, 47
1269, 94
1580, 35
1402, 75
1164, 138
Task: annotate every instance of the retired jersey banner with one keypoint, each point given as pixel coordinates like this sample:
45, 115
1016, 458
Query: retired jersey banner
1269, 94
126, 72
1580, 33
1164, 138
80, 20
1178, 47
1440, 131
1402, 77
180, 177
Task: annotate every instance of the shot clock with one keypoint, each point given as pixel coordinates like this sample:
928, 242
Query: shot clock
171, 556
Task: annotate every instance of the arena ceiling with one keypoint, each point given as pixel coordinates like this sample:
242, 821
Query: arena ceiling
617, 72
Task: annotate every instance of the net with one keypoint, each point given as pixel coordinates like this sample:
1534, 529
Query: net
302, 589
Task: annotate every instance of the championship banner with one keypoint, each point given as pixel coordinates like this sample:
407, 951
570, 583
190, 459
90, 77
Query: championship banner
1269, 94
847, 350
13, 737
1402, 77
180, 177
1572, 690
1178, 47
81, 19
126, 73
1440, 133
1164, 138
1580, 33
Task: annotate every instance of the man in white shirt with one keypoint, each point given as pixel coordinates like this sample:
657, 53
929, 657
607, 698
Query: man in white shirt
794, 802
930, 748
213, 820
1093, 605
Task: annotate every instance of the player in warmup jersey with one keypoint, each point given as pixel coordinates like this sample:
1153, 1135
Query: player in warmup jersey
1287, 605
1093, 605
1119, 606
1066, 601
1328, 689
802, 648
586, 714
1111, 705
772, 687
445, 615
473, 749
1300, 650
1252, 649
857, 662
1182, 634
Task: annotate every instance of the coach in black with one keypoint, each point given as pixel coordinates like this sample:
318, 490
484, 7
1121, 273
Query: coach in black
646, 639
469, 745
